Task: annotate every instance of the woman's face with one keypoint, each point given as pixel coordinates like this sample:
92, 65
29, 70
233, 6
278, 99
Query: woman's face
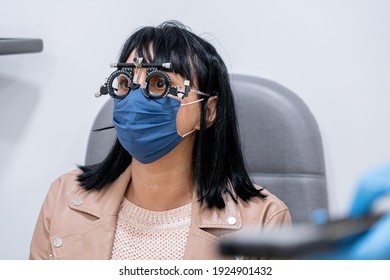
188, 117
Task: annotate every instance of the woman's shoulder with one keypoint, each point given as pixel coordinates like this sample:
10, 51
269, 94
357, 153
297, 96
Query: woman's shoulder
67, 190
269, 209
64, 188
70, 174
66, 181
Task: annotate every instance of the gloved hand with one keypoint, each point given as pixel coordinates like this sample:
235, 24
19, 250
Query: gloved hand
373, 185
375, 243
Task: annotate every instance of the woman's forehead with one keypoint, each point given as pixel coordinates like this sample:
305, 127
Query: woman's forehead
175, 77
144, 53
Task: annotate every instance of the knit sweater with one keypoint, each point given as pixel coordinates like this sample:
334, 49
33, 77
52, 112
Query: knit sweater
150, 235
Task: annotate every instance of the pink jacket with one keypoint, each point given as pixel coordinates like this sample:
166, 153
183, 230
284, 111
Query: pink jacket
78, 224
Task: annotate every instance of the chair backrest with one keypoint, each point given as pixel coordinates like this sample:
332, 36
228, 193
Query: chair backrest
280, 139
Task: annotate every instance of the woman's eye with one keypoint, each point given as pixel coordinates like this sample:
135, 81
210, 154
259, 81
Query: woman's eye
157, 83
123, 83
160, 84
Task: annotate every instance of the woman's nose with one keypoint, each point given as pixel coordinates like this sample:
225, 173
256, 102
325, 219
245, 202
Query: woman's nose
139, 76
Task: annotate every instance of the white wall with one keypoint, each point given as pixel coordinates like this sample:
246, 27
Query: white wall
333, 54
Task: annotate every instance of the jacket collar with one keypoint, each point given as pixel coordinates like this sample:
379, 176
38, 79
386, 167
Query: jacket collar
101, 203
227, 218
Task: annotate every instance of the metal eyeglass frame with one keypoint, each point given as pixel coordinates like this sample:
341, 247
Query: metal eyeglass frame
153, 69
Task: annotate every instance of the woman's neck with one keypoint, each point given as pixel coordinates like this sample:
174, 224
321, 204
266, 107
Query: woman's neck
166, 183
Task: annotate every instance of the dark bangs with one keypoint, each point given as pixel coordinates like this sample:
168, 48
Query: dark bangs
171, 42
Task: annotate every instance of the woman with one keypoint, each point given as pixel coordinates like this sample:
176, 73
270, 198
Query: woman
175, 180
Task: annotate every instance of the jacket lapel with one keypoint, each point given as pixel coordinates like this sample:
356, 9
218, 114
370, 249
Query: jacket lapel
94, 236
101, 203
208, 226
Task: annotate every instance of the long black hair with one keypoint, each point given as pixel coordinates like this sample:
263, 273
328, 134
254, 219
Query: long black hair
218, 164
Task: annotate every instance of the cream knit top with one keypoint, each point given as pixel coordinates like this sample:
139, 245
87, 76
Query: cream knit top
142, 234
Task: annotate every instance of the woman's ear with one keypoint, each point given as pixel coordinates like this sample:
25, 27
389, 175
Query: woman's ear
211, 111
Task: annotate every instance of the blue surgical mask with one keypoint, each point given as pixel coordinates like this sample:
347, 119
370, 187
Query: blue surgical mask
145, 127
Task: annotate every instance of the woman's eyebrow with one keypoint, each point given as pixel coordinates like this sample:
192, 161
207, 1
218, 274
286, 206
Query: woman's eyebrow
174, 78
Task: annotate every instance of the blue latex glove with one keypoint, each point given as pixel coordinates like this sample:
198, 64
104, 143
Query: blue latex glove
373, 185
375, 243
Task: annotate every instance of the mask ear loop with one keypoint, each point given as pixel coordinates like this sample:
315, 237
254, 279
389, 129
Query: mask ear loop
190, 103
188, 133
